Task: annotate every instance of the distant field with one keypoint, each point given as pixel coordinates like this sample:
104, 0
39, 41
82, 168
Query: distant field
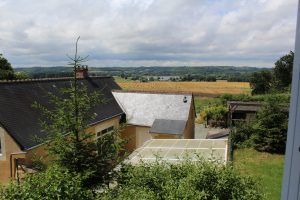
207, 89
118, 79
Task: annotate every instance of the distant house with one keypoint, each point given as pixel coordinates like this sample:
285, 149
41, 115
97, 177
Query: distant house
156, 115
242, 111
149, 115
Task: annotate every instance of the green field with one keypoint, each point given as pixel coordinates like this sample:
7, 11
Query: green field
266, 168
118, 79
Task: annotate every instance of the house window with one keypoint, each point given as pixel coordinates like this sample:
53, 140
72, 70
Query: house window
105, 131
238, 115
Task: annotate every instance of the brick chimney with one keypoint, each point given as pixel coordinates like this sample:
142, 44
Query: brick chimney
82, 71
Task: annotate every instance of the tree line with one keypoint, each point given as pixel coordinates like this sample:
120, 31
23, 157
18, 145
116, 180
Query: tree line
278, 79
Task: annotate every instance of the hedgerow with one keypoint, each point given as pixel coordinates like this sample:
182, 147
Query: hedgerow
186, 180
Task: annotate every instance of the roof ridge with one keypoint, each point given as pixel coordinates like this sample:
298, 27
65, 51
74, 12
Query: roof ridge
154, 92
47, 79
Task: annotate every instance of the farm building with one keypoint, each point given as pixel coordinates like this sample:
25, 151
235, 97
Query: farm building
242, 111
146, 114
156, 115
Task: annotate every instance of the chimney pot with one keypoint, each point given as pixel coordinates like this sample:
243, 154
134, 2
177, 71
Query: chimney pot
82, 71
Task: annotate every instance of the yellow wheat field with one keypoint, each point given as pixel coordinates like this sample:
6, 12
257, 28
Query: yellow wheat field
198, 88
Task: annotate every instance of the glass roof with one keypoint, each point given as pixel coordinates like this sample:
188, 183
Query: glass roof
176, 150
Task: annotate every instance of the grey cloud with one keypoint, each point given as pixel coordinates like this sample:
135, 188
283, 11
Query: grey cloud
149, 32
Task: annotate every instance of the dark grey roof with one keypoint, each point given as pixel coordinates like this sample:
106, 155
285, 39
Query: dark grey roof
248, 106
22, 121
166, 126
218, 135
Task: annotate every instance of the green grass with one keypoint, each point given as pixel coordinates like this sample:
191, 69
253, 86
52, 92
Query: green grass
202, 102
118, 79
266, 168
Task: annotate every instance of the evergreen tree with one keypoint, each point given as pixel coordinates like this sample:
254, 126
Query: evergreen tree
270, 127
68, 142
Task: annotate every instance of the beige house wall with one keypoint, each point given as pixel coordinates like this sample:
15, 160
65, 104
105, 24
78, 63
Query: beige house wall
129, 135
142, 135
9, 147
11, 150
189, 132
103, 125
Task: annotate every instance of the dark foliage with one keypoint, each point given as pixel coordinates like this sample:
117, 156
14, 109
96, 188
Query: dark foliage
261, 82
240, 135
6, 70
283, 71
270, 127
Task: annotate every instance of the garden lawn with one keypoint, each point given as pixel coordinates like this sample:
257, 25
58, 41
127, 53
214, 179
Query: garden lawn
266, 168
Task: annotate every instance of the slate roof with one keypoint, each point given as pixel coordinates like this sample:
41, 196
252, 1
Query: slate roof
166, 126
21, 121
142, 108
244, 106
217, 135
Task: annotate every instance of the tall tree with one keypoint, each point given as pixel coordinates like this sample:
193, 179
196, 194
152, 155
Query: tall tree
283, 71
6, 70
260, 82
68, 142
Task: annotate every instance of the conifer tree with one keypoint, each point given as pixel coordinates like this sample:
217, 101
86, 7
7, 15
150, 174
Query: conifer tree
68, 142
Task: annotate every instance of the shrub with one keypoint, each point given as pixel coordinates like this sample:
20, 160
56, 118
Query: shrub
240, 136
186, 180
218, 114
271, 126
54, 183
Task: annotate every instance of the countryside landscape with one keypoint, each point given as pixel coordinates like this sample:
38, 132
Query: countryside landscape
148, 100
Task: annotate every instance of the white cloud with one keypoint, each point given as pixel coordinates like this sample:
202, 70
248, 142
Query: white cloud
149, 32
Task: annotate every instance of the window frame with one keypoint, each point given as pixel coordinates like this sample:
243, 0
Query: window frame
105, 131
291, 179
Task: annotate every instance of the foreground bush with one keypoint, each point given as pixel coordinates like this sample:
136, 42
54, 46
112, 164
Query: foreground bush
54, 183
187, 180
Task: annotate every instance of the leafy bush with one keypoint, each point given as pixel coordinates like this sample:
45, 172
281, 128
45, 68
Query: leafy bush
54, 183
217, 114
240, 135
187, 180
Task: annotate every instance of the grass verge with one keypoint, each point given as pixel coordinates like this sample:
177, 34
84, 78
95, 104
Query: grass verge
266, 168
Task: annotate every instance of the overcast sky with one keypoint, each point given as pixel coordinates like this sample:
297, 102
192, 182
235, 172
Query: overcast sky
147, 32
